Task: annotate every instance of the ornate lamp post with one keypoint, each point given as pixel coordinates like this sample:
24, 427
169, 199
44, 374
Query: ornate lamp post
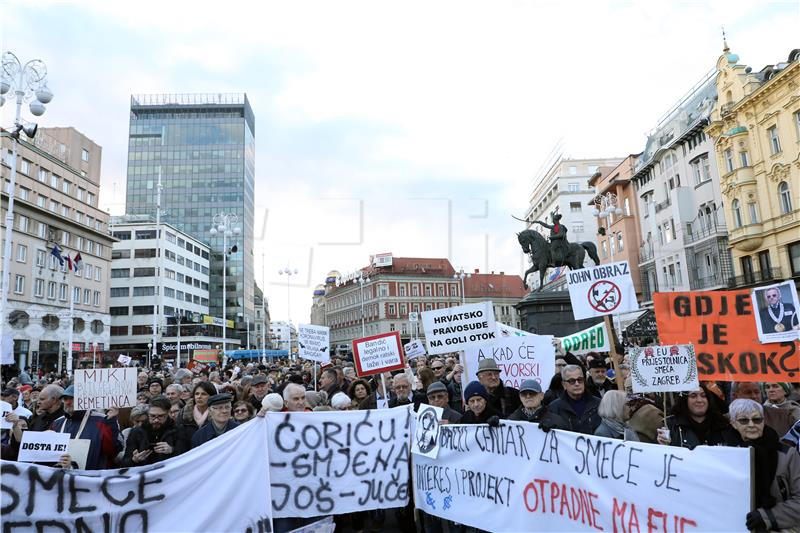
225, 224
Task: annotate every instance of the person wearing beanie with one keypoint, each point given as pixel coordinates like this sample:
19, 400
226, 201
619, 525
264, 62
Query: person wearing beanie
777, 397
480, 411
341, 401
273, 402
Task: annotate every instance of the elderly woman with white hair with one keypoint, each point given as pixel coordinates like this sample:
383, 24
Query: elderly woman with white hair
777, 469
614, 412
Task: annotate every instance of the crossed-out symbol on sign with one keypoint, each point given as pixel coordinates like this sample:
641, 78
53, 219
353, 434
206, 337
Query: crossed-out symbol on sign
604, 296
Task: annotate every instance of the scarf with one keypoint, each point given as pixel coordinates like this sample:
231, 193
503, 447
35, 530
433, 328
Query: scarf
199, 418
766, 449
616, 426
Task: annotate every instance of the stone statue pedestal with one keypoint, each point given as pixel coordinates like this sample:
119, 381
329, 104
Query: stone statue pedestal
550, 313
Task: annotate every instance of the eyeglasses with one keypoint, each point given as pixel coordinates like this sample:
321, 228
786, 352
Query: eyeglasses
153, 415
437, 367
574, 381
237, 411
756, 420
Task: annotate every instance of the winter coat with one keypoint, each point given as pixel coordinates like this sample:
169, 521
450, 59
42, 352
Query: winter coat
208, 432
786, 491
416, 398
45, 420
605, 430
143, 437
538, 416
645, 422
682, 434
186, 424
788, 405
569, 420
103, 434
470, 418
451, 415
599, 390
504, 400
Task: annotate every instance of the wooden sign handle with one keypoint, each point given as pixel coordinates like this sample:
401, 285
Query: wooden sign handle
616, 359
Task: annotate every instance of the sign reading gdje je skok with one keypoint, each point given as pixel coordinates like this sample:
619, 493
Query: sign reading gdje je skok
378, 354
602, 290
456, 328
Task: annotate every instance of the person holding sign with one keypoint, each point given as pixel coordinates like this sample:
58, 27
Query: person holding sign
777, 469
696, 420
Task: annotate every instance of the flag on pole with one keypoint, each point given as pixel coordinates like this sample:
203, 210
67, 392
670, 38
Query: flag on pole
69, 262
77, 262
56, 252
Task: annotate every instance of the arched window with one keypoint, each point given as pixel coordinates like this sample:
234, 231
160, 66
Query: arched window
786, 197
737, 214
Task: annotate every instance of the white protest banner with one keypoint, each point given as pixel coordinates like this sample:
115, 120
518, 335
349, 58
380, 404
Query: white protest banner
602, 290
426, 431
518, 478
124, 359
507, 331
314, 342
7, 349
338, 462
778, 306
377, 354
593, 339
414, 349
455, 328
42, 446
103, 388
664, 368
519, 358
173, 495
5, 408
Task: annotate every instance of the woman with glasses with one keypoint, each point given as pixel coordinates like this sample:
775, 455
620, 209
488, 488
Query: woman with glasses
697, 419
243, 411
776, 467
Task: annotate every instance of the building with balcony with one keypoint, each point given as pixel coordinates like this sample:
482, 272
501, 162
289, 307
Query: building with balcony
283, 336
55, 202
756, 131
684, 240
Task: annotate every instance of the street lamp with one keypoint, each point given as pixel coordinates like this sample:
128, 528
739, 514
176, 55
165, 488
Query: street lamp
362, 280
288, 272
25, 83
225, 224
460, 275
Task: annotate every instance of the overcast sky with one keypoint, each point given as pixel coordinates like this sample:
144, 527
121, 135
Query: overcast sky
407, 127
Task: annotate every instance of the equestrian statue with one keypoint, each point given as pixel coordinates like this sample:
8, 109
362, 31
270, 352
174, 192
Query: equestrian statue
558, 252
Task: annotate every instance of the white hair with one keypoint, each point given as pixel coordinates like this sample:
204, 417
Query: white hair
287, 391
612, 406
570, 368
177, 387
744, 406
340, 401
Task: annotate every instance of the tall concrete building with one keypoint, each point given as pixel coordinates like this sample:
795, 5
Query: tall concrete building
203, 147
57, 187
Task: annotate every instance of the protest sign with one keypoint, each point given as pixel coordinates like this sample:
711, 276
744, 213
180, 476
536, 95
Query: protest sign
338, 462
173, 495
103, 388
664, 368
314, 343
206, 356
414, 349
519, 358
593, 339
518, 478
7, 349
721, 327
426, 431
379, 353
602, 290
455, 328
777, 318
5, 408
42, 446
124, 359
507, 331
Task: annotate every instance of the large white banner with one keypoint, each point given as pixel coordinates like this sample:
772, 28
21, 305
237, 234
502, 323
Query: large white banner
518, 358
518, 478
456, 328
602, 290
219, 486
338, 462
104, 388
314, 343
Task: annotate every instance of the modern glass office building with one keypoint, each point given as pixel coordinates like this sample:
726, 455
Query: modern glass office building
204, 147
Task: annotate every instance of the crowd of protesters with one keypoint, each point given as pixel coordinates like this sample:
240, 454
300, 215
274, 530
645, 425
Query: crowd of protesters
179, 409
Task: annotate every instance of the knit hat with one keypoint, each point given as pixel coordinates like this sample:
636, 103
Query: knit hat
273, 402
476, 389
340, 401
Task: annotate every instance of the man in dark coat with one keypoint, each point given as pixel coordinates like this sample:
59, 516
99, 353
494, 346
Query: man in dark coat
777, 316
439, 397
403, 393
532, 410
259, 387
599, 383
221, 421
576, 409
50, 407
502, 399
156, 440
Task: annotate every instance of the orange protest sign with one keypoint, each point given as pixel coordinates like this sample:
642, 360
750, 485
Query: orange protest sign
722, 327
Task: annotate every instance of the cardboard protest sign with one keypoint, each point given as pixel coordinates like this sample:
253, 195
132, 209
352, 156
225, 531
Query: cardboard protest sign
124, 359
5, 408
103, 388
602, 290
507, 331
593, 339
426, 431
518, 478
206, 356
519, 358
338, 462
456, 328
42, 446
777, 319
377, 354
414, 349
664, 368
171, 495
721, 327
314, 343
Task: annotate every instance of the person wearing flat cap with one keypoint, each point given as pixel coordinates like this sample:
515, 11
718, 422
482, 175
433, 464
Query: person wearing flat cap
221, 420
531, 396
260, 388
439, 397
502, 398
599, 383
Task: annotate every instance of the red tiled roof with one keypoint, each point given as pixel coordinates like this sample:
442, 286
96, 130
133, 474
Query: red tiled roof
498, 285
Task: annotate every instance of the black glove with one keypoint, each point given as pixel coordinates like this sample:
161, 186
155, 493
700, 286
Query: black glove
546, 426
493, 421
754, 521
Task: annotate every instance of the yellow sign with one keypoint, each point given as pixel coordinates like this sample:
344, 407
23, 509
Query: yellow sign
216, 321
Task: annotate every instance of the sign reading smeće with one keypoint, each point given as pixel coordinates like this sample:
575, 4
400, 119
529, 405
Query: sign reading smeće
104, 388
314, 342
42, 446
378, 354
456, 328
602, 290
664, 368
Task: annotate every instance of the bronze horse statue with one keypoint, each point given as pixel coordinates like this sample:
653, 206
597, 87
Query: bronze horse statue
536, 245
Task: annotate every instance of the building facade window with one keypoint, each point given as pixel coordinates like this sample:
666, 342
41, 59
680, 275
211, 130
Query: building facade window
744, 158
85, 155
774, 140
737, 214
22, 253
752, 209
38, 288
785, 197
728, 155
793, 250
19, 284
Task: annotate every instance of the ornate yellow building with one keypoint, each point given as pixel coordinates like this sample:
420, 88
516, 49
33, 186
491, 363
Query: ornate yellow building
756, 128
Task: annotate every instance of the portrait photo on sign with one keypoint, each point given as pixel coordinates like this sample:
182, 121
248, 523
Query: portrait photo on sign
776, 312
